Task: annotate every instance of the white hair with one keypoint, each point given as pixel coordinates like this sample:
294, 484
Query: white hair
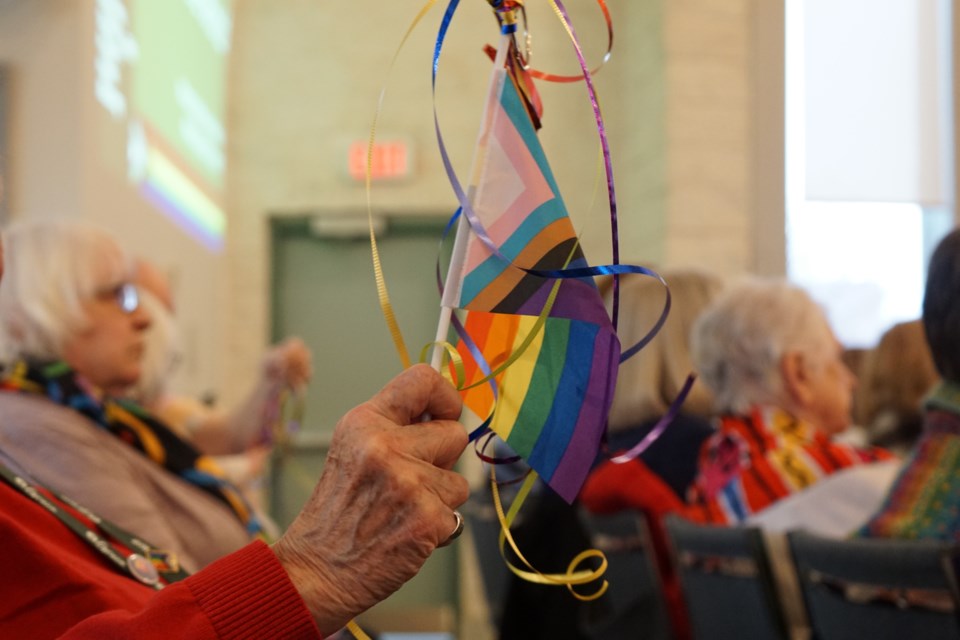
50, 268
738, 343
161, 354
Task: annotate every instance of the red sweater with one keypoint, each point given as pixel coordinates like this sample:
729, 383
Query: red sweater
55, 585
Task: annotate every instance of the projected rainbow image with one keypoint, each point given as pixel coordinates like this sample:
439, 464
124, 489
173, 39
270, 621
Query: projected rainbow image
161, 70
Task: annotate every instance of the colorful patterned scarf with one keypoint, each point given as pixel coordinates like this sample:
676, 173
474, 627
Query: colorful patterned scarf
924, 501
132, 424
756, 459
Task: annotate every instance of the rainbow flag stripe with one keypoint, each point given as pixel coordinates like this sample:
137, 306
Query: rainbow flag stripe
554, 399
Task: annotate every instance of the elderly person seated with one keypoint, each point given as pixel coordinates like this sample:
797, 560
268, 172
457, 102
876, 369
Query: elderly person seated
655, 482
380, 509
924, 500
895, 376
767, 351
649, 382
72, 331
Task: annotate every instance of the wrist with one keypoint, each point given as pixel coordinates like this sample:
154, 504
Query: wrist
324, 600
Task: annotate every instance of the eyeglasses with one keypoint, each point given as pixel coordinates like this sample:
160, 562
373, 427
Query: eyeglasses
126, 296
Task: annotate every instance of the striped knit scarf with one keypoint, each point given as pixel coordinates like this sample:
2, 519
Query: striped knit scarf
132, 424
924, 501
754, 460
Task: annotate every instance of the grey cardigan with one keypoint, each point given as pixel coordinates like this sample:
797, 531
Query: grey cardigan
67, 452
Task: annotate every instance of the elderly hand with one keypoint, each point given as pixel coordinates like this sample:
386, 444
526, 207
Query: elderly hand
385, 500
288, 363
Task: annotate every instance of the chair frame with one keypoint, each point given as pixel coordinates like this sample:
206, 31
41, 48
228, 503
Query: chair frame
733, 556
879, 587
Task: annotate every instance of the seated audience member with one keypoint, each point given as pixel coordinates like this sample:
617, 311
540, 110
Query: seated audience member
651, 380
834, 506
239, 440
768, 353
72, 330
382, 505
647, 384
894, 378
924, 500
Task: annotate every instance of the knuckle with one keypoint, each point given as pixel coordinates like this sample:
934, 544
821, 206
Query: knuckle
374, 451
407, 485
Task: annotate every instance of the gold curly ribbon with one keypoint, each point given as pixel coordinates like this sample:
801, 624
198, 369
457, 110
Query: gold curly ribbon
573, 576
382, 293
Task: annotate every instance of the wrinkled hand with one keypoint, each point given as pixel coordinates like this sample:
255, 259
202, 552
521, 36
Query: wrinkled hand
384, 502
288, 363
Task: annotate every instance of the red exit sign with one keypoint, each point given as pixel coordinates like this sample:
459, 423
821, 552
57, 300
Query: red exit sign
389, 160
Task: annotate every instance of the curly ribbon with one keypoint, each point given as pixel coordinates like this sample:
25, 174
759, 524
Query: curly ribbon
573, 576
476, 226
357, 632
606, 56
550, 77
479, 449
661, 425
615, 269
382, 294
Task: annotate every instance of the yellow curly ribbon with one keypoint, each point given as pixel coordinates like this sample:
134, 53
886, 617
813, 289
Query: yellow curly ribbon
573, 577
357, 632
382, 294
450, 356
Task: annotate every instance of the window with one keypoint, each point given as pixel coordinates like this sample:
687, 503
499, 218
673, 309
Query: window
868, 144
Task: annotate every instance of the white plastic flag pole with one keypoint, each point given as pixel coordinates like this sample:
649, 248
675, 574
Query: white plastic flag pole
455, 270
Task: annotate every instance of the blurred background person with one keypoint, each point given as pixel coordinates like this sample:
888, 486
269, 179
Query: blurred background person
924, 501
895, 376
767, 351
649, 382
656, 482
73, 334
239, 440
384, 503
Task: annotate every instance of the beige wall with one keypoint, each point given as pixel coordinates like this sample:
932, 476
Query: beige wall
37, 39
685, 97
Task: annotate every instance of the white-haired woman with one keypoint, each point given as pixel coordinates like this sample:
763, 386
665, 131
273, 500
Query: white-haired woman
767, 351
72, 332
